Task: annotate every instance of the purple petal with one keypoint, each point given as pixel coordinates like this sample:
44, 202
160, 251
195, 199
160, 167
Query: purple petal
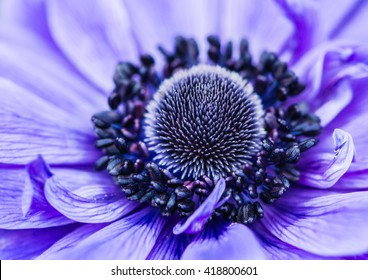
27, 13
27, 131
276, 249
334, 18
249, 19
35, 64
158, 22
70, 241
132, 237
198, 219
29, 243
89, 202
324, 170
236, 242
93, 36
23, 204
321, 222
352, 25
303, 16
332, 107
169, 246
325, 71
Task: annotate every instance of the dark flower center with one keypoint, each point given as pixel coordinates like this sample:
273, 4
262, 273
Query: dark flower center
170, 136
204, 121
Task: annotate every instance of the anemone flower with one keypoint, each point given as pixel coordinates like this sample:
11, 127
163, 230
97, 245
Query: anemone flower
183, 130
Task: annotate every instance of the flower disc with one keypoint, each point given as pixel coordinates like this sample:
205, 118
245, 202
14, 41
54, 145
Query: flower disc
204, 121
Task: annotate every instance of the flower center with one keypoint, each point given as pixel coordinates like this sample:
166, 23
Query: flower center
170, 137
204, 121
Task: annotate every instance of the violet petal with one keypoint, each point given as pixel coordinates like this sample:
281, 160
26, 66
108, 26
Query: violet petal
94, 37
321, 222
132, 237
27, 244
236, 242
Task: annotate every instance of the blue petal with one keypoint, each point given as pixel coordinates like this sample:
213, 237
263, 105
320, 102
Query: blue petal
30, 126
321, 222
235, 242
29, 243
70, 241
132, 237
93, 36
169, 246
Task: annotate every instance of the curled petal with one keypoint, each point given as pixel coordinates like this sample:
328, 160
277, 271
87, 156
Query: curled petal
23, 204
92, 203
197, 220
324, 170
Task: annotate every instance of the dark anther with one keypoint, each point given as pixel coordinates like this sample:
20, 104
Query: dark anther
258, 209
147, 60
268, 145
246, 214
114, 100
297, 111
114, 166
183, 193
186, 207
124, 181
279, 69
127, 167
175, 182
288, 78
138, 195
100, 123
123, 72
292, 154
267, 198
260, 84
121, 144
252, 191
214, 41
128, 134
158, 186
101, 143
267, 61
160, 199
130, 189
296, 89
154, 171
171, 204
167, 175
307, 144
147, 196
291, 174
138, 165
142, 149
101, 163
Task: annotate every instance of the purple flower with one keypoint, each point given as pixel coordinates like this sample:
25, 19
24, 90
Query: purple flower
57, 63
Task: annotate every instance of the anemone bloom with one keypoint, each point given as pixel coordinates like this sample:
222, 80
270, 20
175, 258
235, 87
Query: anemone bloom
226, 152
